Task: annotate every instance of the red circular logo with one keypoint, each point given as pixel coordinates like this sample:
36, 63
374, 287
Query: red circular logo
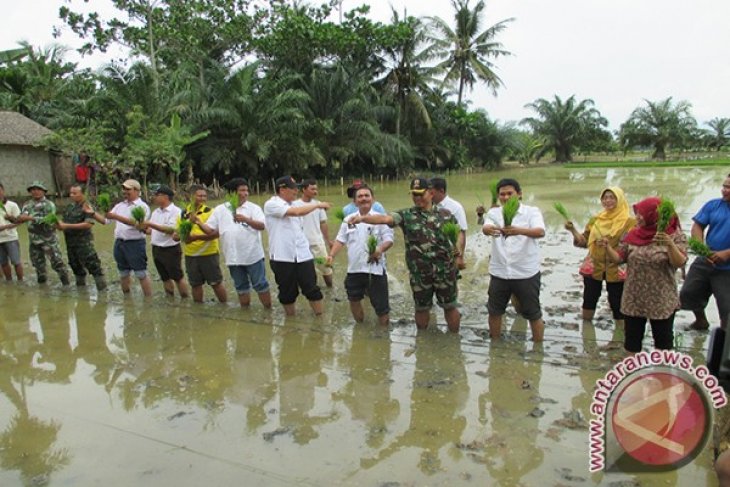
660, 419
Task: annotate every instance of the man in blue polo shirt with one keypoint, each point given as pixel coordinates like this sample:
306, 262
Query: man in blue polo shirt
710, 275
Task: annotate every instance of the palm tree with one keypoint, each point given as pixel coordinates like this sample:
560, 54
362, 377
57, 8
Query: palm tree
564, 126
466, 51
659, 124
720, 133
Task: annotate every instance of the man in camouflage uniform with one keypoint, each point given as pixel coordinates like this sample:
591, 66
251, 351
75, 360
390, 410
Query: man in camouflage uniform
78, 219
42, 235
430, 255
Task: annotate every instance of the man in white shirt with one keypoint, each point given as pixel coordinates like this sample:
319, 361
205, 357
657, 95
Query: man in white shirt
315, 228
166, 252
365, 270
240, 240
351, 207
289, 254
514, 266
442, 200
130, 251
9, 243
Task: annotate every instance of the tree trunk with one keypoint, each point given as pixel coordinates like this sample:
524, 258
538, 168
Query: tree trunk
659, 152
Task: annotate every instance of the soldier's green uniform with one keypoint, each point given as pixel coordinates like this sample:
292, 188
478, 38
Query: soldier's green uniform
43, 240
429, 255
82, 256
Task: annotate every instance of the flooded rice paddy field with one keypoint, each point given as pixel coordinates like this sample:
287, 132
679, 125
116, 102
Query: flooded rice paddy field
102, 390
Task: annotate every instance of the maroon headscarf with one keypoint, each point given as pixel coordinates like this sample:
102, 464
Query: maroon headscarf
644, 235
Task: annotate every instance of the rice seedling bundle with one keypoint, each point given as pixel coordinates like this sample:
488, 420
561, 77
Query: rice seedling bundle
561, 209
104, 202
184, 229
50, 219
340, 214
665, 211
509, 210
138, 214
451, 230
320, 260
372, 244
232, 200
495, 193
698, 247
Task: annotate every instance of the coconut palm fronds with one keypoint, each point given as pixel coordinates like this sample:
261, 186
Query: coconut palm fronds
666, 212
451, 230
184, 229
138, 214
104, 202
698, 247
561, 209
509, 210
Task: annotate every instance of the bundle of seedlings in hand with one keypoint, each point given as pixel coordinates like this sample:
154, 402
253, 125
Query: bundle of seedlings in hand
138, 214
104, 202
372, 244
509, 210
50, 219
184, 229
561, 209
232, 200
494, 191
698, 247
340, 214
2, 206
666, 212
451, 230
320, 260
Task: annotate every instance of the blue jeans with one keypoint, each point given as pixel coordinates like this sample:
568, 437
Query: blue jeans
247, 276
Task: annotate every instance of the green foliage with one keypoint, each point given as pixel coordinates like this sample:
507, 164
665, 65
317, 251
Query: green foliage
509, 210
50, 219
104, 202
232, 202
561, 209
138, 214
719, 136
184, 228
698, 247
665, 212
372, 244
320, 260
659, 124
494, 192
340, 214
451, 230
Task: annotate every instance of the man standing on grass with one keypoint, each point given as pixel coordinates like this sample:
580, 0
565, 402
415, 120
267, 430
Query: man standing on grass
240, 232
429, 254
166, 251
289, 254
315, 228
365, 270
710, 275
442, 200
78, 220
514, 267
9, 243
130, 252
41, 234
202, 257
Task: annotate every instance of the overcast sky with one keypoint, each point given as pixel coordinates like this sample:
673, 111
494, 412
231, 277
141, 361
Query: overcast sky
617, 52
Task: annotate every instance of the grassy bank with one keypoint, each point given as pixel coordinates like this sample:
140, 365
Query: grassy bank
677, 163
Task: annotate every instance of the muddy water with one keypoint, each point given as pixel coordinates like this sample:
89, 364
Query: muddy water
99, 390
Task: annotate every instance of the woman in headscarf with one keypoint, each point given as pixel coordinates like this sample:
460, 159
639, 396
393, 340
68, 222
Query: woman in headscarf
650, 290
610, 225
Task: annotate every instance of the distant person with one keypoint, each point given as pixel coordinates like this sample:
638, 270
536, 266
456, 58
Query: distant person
239, 230
84, 172
9, 243
202, 251
650, 291
429, 254
514, 266
351, 207
366, 273
289, 256
166, 251
442, 200
610, 224
78, 220
710, 276
315, 228
41, 234
130, 242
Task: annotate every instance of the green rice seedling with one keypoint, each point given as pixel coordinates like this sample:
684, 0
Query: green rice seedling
184, 229
372, 244
340, 214
561, 209
50, 219
495, 193
509, 210
320, 260
138, 214
698, 247
2, 206
665, 211
451, 230
232, 200
104, 202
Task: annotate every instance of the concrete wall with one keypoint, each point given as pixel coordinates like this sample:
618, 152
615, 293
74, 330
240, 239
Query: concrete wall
20, 165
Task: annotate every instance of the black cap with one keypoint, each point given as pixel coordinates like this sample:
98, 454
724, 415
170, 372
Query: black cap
420, 185
286, 182
165, 190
